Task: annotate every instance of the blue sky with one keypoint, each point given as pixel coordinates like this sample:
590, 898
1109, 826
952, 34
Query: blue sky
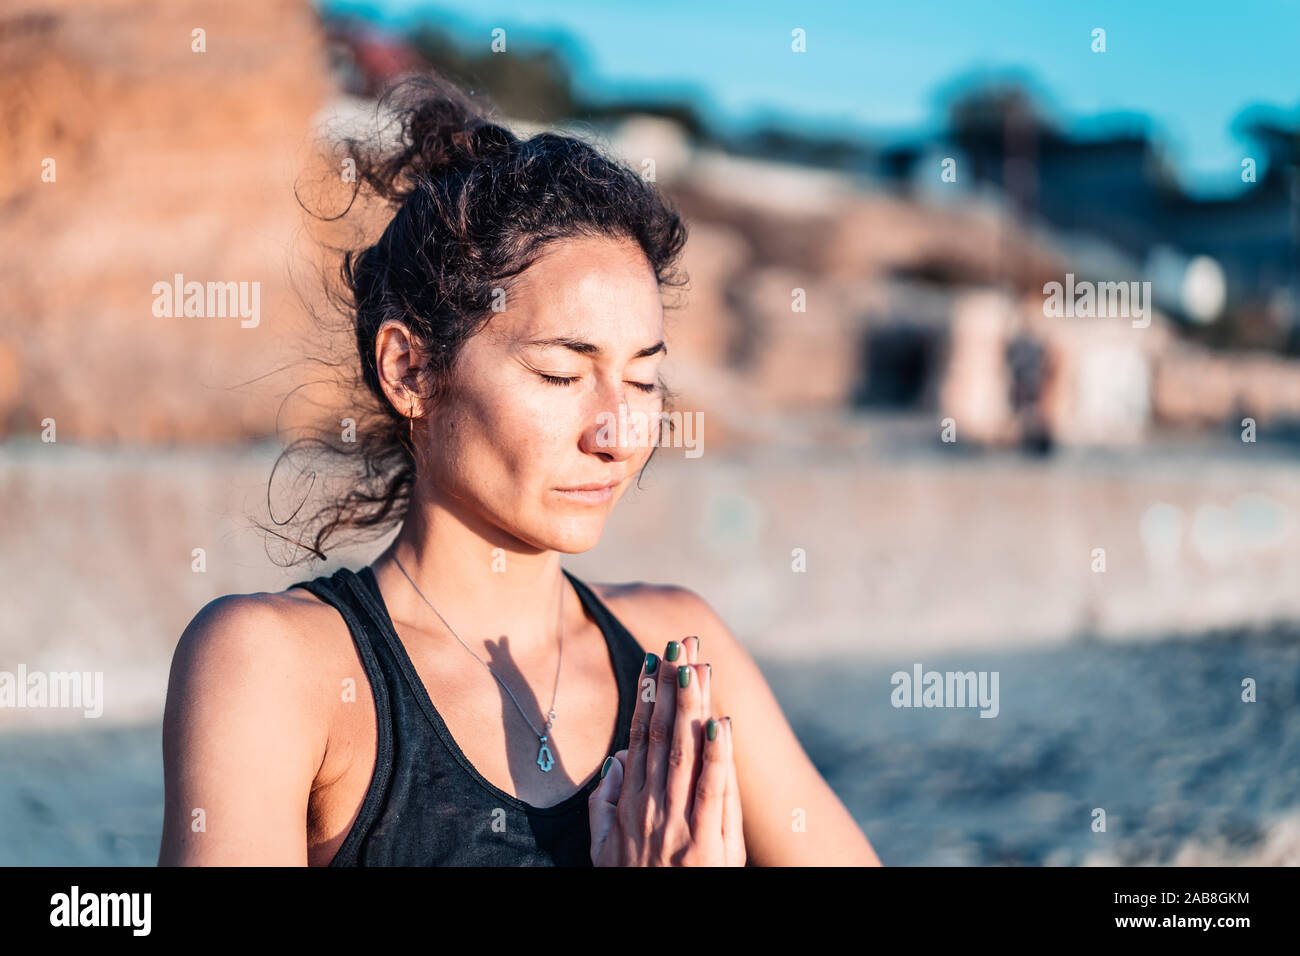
1189, 68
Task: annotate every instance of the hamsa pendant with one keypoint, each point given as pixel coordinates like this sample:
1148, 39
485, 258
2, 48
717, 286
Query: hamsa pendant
544, 759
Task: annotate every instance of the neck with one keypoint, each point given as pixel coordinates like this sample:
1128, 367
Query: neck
483, 582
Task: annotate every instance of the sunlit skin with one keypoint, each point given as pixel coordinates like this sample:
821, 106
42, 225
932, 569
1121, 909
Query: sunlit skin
581, 334
483, 537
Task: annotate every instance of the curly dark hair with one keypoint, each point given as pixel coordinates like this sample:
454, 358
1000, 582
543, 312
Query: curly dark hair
473, 207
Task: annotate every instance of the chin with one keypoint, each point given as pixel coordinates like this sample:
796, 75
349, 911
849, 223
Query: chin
573, 535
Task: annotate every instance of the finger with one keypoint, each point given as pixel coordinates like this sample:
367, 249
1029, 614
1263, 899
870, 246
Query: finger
733, 830
706, 691
692, 645
705, 675
705, 672
639, 733
661, 722
610, 784
711, 786
602, 805
686, 743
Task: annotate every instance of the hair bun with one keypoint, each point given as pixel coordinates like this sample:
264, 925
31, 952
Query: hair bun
439, 129
443, 129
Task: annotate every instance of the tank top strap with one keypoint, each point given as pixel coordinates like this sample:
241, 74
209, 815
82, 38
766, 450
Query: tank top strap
342, 591
624, 651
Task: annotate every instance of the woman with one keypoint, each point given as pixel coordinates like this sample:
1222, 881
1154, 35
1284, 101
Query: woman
463, 699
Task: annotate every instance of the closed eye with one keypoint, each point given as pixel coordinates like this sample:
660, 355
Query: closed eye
561, 380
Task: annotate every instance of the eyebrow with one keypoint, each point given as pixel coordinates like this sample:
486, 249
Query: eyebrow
588, 348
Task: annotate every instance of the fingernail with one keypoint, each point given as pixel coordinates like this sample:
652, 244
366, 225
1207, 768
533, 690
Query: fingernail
683, 676
710, 669
609, 762
674, 651
712, 729
651, 663
697, 642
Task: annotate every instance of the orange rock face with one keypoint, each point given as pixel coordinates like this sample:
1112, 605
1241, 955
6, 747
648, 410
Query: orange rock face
145, 140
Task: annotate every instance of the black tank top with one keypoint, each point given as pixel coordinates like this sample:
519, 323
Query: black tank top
426, 804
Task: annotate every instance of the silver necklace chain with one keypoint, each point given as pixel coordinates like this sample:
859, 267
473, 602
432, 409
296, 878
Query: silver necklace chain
544, 759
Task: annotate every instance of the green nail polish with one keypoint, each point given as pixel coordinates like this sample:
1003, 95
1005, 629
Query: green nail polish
674, 651
609, 762
712, 730
651, 663
683, 676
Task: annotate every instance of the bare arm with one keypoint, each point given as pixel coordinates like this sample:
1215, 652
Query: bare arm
241, 742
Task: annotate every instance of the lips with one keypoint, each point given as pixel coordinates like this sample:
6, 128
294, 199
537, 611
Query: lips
593, 492
591, 486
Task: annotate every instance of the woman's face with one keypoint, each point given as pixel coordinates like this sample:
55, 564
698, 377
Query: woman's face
534, 411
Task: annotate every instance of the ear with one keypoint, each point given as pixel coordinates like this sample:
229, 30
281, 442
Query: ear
401, 364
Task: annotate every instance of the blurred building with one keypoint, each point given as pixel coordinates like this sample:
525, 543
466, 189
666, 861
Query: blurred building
1117, 186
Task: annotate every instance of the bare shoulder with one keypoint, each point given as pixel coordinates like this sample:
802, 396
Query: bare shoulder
256, 629
264, 653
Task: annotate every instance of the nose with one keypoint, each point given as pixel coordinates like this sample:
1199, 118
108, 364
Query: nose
615, 432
